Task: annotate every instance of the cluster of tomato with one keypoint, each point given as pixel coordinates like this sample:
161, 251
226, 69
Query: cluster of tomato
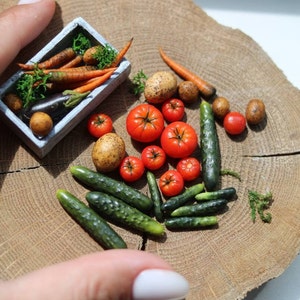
145, 123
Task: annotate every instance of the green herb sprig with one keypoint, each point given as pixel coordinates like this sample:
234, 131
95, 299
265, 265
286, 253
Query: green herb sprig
32, 87
258, 204
81, 43
138, 82
105, 56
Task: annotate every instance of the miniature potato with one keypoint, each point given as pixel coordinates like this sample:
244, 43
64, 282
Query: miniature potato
108, 152
188, 91
40, 123
13, 102
160, 86
220, 107
255, 111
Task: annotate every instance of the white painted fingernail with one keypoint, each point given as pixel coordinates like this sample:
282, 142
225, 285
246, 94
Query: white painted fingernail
155, 284
28, 1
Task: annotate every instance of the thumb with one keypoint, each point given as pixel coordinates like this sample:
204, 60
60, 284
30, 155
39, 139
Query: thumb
20, 25
112, 274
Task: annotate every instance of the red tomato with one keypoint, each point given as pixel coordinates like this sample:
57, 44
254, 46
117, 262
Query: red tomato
171, 183
131, 168
189, 168
173, 110
99, 124
234, 123
179, 139
145, 123
153, 157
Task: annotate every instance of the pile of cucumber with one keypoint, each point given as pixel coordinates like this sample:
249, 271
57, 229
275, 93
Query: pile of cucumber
113, 201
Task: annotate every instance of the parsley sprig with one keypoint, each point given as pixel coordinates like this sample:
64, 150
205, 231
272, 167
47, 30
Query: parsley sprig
258, 204
105, 56
138, 82
81, 43
31, 87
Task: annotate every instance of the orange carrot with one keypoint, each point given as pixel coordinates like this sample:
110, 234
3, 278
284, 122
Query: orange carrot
93, 83
72, 63
66, 70
67, 77
122, 53
54, 61
205, 88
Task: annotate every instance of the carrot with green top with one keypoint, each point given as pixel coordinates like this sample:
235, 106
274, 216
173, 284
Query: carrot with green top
68, 77
93, 83
206, 89
56, 60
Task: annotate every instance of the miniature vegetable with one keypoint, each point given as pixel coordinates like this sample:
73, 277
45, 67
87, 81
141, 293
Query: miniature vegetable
220, 107
41, 124
56, 105
209, 146
205, 88
234, 123
108, 152
13, 102
188, 91
90, 221
54, 61
255, 111
160, 86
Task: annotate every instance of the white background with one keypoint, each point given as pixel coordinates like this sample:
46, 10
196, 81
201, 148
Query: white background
275, 26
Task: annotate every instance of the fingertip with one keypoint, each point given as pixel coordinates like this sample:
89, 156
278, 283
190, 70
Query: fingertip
20, 25
152, 284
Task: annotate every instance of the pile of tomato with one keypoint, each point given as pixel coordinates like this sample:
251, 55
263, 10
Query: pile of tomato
164, 135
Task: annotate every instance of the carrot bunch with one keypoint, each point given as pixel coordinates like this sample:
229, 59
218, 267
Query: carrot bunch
68, 69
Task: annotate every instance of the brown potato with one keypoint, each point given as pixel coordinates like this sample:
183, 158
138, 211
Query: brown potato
220, 107
255, 111
108, 152
188, 91
40, 123
13, 102
160, 86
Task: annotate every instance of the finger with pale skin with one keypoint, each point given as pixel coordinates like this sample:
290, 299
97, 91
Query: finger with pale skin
20, 25
104, 275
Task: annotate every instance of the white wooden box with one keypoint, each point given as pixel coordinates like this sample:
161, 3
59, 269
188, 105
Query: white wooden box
42, 146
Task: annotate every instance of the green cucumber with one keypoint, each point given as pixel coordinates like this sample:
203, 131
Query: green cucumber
201, 209
90, 221
103, 183
118, 211
226, 193
209, 147
179, 200
189, 223
155, 195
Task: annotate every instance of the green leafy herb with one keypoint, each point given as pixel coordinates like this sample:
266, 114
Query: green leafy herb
81, 43
231, 173
138, 82
258, 204
105, 56
31, 87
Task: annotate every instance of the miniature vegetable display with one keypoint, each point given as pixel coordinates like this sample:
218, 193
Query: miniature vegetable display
59, 83
184, 186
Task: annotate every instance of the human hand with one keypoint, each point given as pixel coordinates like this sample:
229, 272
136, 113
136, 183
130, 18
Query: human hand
111, 274
20, 25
